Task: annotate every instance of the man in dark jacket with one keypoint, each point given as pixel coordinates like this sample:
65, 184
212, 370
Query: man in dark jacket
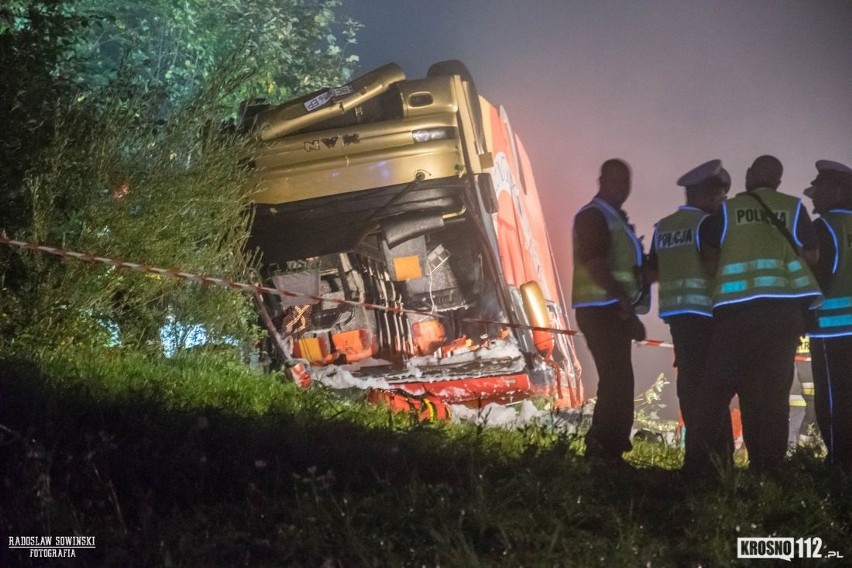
607, 294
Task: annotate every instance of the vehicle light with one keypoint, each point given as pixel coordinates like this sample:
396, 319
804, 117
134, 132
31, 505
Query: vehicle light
429, 134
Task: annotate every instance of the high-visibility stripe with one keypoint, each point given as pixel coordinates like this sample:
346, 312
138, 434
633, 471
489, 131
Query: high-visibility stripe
835, 321
836, 303
769, 281
757, 264
684, 283
733, 287
690, 299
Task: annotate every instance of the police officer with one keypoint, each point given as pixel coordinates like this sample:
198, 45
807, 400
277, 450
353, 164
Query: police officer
607, 288
762, 290
685, 276
831, 341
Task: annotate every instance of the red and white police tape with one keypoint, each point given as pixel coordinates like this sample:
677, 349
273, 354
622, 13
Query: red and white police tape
252, 288
257, 288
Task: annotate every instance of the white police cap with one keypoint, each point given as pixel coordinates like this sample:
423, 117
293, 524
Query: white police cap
831, 170
702, 174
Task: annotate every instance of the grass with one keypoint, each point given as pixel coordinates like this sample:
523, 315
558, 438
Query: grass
197, 461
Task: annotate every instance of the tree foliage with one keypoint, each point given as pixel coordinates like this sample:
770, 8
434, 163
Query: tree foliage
118, 152
169, 196
35, 37
171, 48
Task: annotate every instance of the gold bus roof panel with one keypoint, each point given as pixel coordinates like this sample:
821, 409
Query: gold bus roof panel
363, 156
324, 181
297, 114
347, 174
357, 158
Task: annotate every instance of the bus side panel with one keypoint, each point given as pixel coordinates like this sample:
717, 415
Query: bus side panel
542, 265
570, 386
523, 242
521, 233
506, 220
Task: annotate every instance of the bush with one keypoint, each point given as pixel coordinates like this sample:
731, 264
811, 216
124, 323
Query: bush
126, 159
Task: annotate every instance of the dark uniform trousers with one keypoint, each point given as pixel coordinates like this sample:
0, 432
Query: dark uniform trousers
608, 338
752, 353
691, 337
831, 361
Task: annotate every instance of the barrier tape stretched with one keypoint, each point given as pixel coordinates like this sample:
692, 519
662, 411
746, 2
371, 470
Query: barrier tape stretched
660, 343
257, 288
253, 288
655, 343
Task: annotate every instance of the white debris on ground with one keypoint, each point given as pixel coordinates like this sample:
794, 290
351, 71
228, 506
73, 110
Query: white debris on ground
522, 414
493, 415
361, 376
496, 414
340, 378
569, 421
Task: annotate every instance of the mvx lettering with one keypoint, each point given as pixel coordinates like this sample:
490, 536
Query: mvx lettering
675, 238
332, 141
758, 216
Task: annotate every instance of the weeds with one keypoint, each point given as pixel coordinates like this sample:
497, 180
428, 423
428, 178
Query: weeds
197, 461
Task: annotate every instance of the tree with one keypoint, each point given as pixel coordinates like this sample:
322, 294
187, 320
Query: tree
171, 48
35, 36
130, 163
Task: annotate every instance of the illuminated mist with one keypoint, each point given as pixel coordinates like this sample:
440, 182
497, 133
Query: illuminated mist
664, 85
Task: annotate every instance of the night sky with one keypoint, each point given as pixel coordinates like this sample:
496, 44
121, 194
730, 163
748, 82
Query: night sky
664, 85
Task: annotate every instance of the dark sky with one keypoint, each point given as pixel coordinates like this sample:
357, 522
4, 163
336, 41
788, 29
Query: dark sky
663, 84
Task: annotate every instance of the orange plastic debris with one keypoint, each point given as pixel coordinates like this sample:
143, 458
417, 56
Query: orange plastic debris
354, 344
299, 375
426, 408
456, 347
428, 336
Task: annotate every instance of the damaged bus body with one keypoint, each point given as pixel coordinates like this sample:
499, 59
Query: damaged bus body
404, 215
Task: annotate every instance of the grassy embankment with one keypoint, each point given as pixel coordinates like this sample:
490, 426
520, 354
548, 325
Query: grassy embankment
200, 462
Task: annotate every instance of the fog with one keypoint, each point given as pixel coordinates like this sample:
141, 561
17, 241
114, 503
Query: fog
664, 85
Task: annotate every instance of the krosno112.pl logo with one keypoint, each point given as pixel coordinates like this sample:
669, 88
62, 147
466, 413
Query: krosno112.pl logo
783, 548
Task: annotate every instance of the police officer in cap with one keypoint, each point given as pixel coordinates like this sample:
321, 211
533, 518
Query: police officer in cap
831, 340
685, 275
762, 290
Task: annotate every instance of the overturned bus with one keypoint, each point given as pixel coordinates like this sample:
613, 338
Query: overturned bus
401, 222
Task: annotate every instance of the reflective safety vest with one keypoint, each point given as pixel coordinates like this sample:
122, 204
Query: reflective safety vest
625, 260
685, 285
756, 261
835, 314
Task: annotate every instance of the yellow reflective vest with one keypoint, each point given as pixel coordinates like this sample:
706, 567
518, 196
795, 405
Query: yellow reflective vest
835, 314
685, 285
756, 260
625, 261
